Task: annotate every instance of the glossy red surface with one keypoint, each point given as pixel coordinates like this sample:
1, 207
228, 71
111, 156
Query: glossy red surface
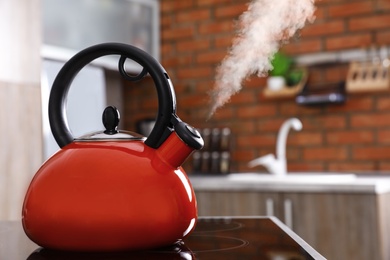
106, 196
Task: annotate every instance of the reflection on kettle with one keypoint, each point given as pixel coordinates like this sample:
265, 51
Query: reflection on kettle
177, 251
113, 190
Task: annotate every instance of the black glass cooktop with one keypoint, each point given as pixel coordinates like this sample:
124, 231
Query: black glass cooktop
213, 238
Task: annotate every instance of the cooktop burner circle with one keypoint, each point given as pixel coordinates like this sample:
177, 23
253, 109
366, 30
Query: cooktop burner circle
208, 243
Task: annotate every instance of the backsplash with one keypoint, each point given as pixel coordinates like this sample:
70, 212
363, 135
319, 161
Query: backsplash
195, 37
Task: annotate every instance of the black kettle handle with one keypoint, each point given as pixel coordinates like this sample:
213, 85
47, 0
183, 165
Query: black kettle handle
166, 116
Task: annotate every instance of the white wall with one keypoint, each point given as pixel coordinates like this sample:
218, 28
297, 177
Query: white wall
20, 102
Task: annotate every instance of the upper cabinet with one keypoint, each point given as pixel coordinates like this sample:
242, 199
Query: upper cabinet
72, 25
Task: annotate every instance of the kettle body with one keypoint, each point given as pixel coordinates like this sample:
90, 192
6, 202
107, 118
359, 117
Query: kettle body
112, 194
140, 202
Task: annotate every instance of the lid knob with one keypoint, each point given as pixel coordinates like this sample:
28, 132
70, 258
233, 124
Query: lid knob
110, 119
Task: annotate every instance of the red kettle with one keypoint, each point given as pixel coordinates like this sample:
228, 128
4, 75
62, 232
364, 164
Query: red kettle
113, 190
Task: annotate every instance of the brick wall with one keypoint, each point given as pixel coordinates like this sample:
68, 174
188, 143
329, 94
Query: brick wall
195, 36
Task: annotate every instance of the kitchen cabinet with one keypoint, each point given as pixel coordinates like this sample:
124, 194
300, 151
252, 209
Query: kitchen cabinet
136, 22
338, 223
227, 203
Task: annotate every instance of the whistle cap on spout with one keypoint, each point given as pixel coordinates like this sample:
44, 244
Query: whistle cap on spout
189, 135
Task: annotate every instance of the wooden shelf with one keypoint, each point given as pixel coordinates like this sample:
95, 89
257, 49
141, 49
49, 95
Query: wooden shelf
367, 77
287, 91
284, 92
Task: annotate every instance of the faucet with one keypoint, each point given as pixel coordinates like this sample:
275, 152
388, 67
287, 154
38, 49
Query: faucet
278, 165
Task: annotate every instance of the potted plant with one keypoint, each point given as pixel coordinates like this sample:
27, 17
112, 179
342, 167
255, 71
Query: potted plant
283, 73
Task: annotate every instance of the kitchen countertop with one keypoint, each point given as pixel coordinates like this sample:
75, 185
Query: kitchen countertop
347, 183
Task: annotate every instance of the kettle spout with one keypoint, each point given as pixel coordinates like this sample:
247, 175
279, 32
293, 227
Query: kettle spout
180, 144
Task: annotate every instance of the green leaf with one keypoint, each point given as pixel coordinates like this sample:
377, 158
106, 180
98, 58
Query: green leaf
281, 64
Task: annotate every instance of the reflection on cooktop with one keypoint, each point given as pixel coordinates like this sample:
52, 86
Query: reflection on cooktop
178, 251
213, 238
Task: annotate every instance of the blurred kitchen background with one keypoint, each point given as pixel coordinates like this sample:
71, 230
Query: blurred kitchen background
353, 136
344, 52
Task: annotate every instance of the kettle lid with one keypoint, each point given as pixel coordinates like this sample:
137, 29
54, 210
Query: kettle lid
110, 120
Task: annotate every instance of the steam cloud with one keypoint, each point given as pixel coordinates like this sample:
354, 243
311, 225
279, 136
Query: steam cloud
262, 29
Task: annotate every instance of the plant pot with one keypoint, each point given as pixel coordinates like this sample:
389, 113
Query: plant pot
276, 83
